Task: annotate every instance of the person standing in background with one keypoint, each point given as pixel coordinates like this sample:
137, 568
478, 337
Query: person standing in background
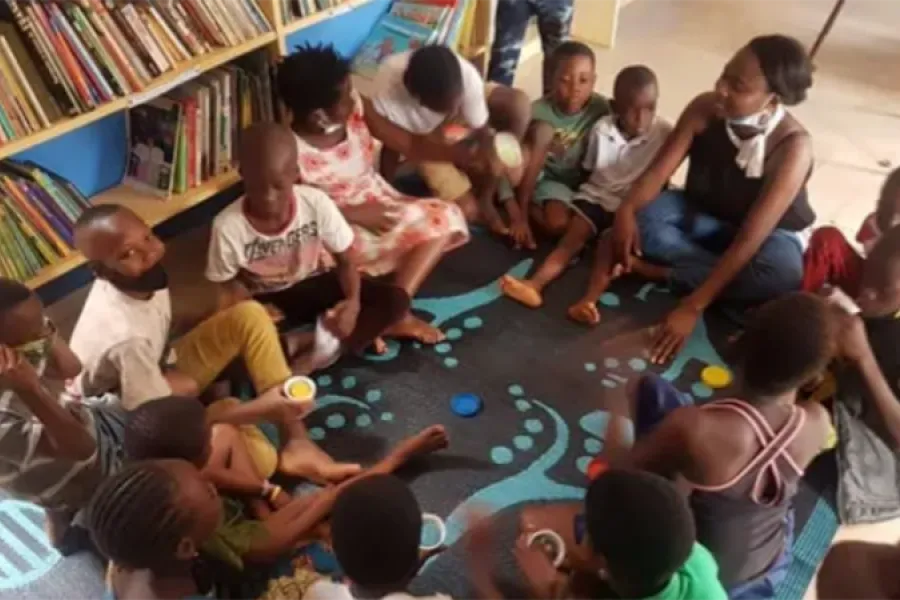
554, 20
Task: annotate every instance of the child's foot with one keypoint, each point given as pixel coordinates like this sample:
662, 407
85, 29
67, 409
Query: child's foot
430, 439
414, 328
584, 312
522, 291
301, 457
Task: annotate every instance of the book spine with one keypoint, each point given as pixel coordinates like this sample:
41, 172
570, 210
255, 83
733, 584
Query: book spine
170, 34
193, 32
42, 60
70, 66
45, 205
122, 42
107, 68
130, 13
37, 109
134, 43
66, 204
32, 263
116, 53
156, 33
180, 34
221, 16
12, 104
103, 92
36, 219
207, 29
45, 177
11, 247
259, 19
7, 268
48, 254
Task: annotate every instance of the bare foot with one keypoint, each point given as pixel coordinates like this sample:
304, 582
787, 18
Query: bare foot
430, 439
585, 312
379, 346
522, 291
303, 458
494, 221
412, 327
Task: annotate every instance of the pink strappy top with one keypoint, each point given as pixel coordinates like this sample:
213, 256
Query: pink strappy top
742, 521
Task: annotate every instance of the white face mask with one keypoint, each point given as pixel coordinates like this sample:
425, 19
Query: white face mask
757, 119
327, 125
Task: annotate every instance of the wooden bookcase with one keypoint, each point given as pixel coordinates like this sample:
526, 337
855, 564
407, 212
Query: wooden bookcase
155, 210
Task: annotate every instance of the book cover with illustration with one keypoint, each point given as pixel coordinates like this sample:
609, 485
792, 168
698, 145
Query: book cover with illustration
153, 130
391, 35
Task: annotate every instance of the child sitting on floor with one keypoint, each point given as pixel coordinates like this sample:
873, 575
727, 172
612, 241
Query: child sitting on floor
621, 146
376, 528
831, 260
277, 244
220, 453
634, 531
743, 458
555, 145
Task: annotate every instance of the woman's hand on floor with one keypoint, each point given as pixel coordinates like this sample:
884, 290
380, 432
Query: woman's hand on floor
673, 332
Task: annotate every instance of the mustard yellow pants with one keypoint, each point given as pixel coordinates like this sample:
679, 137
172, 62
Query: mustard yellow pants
244, 331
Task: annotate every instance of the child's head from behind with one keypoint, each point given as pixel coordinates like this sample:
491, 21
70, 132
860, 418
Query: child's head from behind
640, 529
376, 528
879, 293
635, 94
268, 164
21, 315
314, 86
788, 342
573, 76
434, 78
887, 212
173, 427
154, 515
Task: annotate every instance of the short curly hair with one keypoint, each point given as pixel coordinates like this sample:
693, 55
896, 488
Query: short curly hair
173, 427
310, 79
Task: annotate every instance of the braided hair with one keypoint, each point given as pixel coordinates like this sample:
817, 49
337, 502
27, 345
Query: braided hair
134, 519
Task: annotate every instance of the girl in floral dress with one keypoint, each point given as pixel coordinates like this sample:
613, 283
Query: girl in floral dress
395, 233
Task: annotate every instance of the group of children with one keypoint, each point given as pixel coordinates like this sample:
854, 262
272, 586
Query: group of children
137, 407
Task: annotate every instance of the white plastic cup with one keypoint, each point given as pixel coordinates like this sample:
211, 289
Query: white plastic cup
441, 528
560, 555
292, 385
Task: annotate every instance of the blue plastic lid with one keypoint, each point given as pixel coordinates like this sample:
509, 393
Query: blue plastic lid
465, 405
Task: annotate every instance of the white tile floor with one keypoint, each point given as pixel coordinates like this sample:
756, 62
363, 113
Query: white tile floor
853, 110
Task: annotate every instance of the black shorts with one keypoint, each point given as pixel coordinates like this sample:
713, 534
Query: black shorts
598, 217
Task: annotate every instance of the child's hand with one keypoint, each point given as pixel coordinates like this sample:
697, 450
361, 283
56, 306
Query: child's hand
520, 232
16, 373
278, 407
853, 341
376, 218
341, 320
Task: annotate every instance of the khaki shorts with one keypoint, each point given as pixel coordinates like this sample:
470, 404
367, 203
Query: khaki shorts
445, 180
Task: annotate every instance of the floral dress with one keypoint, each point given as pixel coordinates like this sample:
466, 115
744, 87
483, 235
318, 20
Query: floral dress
347, 173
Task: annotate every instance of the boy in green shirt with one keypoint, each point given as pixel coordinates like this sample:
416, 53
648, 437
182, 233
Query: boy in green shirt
555, 146
634, 532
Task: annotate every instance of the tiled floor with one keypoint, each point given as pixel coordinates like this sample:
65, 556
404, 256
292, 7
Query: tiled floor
853, 111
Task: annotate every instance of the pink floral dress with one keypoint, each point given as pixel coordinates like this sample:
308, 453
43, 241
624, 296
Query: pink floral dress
347, 173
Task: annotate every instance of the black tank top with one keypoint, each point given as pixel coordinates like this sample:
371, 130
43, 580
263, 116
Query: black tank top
716, 185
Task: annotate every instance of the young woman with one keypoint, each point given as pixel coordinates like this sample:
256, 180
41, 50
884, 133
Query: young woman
732, 232
742, 457
394, 233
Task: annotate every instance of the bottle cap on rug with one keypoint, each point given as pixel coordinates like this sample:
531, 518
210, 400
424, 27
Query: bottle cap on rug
465, 405
716, 377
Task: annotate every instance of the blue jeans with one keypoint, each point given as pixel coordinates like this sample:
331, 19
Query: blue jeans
692, 242
554, 19
656, 398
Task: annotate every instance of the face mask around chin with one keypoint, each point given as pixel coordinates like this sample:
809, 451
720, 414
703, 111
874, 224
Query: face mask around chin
152, 280
757, 119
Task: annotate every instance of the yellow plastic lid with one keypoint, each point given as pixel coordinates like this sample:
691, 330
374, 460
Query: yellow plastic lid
716, 377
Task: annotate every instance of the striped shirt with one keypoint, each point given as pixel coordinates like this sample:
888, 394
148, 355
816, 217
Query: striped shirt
28, 471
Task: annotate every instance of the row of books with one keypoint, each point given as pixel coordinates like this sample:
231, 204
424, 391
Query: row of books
38, 210
413, 23
180, 140
292, 10
64, 57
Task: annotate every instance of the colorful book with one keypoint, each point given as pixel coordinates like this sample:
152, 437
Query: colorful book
153, 135
391, 35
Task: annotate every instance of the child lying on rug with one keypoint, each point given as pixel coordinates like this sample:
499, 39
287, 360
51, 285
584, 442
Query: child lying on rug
555, 146
154, 518
634, 532
831, 260
220, 453
743, 458
278, 242
620, 148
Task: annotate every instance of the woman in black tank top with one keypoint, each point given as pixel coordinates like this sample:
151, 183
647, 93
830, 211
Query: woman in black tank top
732, 233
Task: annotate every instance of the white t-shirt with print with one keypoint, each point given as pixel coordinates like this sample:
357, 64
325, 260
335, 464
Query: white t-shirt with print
270, 263
120, 342
615, 162
393, 101
328, 590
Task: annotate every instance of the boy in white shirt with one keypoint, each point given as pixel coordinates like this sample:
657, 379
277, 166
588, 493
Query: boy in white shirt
621, 147
415, 95
278, 243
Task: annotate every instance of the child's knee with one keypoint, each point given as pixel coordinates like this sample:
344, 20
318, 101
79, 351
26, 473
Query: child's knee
556, 217
249, 313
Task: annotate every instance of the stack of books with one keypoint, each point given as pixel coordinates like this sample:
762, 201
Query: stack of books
191, 134
414, 23
38, 210
300, 9
62, 58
